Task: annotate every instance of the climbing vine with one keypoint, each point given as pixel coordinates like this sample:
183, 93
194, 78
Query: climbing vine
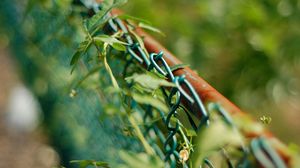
146, 96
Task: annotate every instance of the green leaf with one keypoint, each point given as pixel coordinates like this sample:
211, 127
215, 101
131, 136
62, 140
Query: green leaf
191, 132
133, 18
100, 17
119, 47
149, 81
75, 57
151, 28
82, 48
137, 37
138, 160
86, 163
107, 39
214, 138
140, 41
145, 99
178, 66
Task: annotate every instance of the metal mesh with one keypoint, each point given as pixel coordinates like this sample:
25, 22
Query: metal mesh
74, 122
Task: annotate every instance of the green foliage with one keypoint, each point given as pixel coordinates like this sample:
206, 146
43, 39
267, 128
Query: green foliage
244, 49
149, 81
107, 39
82, 49
133, 160
151, 28
150, 100
209, 142
144, 92
99, 18
132, 18
116, 44
87, 163
200, 35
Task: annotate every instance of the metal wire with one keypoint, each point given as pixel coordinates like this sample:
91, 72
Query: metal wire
261, 150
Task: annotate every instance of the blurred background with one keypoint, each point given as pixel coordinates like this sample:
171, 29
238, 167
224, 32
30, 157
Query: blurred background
248, 50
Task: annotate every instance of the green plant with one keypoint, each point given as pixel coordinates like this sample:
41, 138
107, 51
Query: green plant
143, 97
100, 83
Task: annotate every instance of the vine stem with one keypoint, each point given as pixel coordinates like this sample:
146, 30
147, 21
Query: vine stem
131, 119
139, 134
108, 69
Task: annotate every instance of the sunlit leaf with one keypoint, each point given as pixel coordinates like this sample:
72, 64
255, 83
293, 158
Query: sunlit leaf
138, 160
139, 40
150, 81
246, 124
107, 39
212, 139
191, 132
133, 18
146, 99
119, 47
151, 28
